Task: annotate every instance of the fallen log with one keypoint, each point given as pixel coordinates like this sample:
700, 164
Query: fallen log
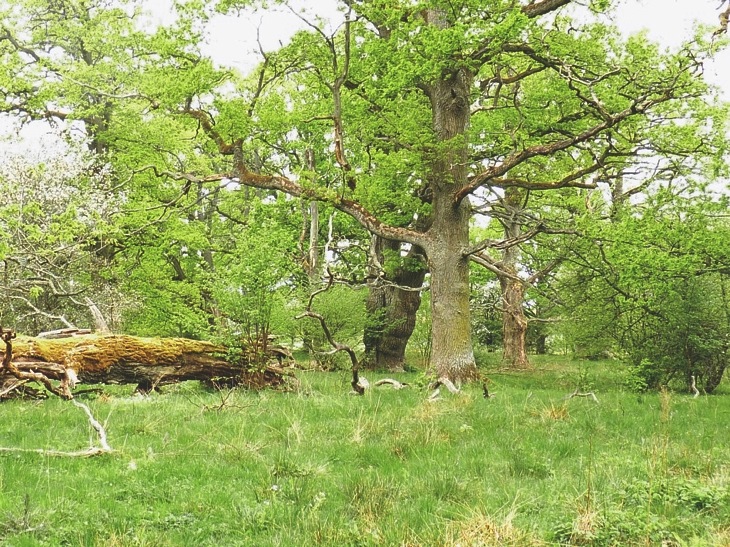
145, 362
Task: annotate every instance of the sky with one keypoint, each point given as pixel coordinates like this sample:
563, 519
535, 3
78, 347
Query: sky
233, 40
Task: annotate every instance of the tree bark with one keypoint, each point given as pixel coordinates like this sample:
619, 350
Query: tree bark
514, 324
514, 321
146, 362
452, 353
392, 309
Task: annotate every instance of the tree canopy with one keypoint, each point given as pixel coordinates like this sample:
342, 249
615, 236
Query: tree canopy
418, 116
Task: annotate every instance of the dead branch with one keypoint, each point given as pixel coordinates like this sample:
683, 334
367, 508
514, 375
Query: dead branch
12, 386
578, 393
693, 386
8, 367
359, 385
97, 427
104, 447
389, 381
63, 333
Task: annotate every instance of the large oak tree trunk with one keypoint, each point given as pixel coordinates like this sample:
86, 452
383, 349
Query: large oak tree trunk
145, 362
392, 309
452, 354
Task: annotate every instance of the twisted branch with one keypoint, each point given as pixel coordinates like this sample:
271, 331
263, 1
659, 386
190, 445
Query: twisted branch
357, 384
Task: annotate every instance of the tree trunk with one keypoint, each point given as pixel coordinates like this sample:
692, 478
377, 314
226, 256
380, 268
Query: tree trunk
146, 362
713, 373
452, 354
514, 321
391, 309
514, 324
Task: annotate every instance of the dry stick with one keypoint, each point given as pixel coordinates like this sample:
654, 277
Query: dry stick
389, 381
577, 393
91, 451
96, 425
15, 385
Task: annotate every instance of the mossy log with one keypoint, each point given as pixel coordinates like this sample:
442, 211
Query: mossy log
144, 362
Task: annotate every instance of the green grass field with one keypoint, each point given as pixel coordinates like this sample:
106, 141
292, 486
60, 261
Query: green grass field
321, 467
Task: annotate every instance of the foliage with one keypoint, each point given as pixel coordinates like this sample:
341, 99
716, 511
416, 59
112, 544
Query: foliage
653, 286
343, 309
398, 118
56, 232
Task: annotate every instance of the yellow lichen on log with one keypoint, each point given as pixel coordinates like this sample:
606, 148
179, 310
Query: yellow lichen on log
95, 353
147, 362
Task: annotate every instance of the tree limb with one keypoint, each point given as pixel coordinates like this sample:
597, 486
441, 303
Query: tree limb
358, 384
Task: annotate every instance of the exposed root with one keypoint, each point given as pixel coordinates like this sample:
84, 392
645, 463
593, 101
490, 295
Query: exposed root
448, 384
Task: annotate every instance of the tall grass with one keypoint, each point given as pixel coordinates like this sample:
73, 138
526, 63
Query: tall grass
319, 467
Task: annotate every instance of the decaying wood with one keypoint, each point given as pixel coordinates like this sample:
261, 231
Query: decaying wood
390, 382
91, 451
59, 363
7, 367
693, 386
64, 333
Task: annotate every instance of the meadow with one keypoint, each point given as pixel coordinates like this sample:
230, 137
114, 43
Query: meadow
316, 466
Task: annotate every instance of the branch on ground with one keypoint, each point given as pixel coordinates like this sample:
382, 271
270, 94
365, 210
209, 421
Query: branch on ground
578, 393
63, 391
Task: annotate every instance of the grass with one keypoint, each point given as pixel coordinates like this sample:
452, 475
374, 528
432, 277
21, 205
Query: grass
320, 467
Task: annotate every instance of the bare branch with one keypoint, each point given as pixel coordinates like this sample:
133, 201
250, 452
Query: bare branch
358, 385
